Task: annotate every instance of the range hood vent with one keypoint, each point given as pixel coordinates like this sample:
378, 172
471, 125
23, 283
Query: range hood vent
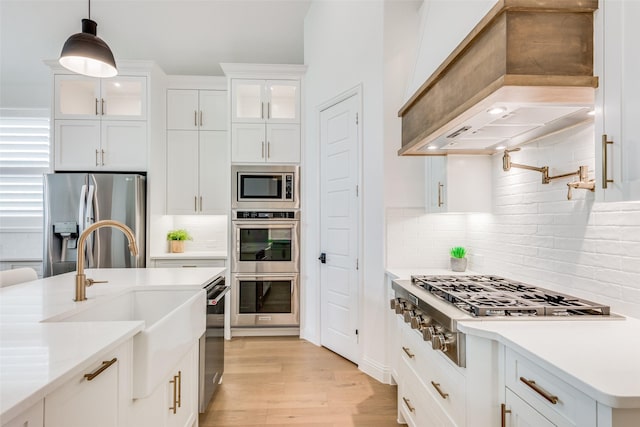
525, 71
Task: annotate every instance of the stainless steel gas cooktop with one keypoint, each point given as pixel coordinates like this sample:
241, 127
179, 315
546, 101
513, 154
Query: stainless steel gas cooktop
497, 296
450, 299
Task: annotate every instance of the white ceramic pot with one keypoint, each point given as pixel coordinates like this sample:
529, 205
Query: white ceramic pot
458, 264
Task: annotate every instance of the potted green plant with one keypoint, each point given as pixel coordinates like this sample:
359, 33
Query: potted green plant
458, 260
176, 239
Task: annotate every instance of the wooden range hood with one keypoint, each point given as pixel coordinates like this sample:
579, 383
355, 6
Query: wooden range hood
532, 58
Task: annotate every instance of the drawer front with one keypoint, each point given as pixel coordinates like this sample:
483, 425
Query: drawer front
444, 384
418, 409
185, 263
558, 401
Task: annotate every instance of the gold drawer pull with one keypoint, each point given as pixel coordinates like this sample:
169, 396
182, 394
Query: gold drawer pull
179, 389
542, 392
101, 369
408, 351
503, 414
439, 390
605, 163
408, 403
174, 381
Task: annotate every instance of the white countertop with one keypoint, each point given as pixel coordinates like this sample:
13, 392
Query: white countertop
36, 358
190, 255
599, 357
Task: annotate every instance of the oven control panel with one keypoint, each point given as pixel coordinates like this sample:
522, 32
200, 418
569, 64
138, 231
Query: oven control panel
266, 215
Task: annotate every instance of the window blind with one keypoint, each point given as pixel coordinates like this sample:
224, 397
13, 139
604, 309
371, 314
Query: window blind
24, 158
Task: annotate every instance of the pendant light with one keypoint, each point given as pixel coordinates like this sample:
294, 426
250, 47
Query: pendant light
86, 53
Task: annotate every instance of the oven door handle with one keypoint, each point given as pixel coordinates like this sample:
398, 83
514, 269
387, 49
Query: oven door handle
221, 295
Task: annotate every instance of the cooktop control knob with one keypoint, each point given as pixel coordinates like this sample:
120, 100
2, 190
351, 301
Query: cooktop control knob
416, 321
401, 306
440, 341
430, 331
408, 315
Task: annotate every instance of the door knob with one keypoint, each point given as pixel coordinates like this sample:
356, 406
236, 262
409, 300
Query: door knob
323, 258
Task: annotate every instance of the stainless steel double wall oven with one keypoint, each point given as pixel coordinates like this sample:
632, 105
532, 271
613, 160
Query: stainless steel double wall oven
265, 249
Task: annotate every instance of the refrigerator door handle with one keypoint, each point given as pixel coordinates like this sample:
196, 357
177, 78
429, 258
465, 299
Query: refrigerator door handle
82, 205
89, 219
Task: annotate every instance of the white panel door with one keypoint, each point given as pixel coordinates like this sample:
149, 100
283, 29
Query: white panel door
339, 219
182, 172
182, 109
77, 145
283, 143
124, 146
213, 110
214, 172
248, 144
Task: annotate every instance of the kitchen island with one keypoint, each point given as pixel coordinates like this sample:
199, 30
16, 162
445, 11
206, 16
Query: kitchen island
37, 357
551, 371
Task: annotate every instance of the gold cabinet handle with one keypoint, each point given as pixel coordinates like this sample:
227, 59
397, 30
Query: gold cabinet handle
96, 106
407, 350
263, 149
101, 369
174, 381
542, 392
179, 389
200, 203
439, 390
262, 110
605, 174
97, 161
408, 403
195, 118
268, 149
200, 117
102, 157
440, 187
503, 415
195, 203
268, 110
102, 106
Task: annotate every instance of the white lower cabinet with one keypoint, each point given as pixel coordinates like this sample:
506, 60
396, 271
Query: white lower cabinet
174, 403
521, 414
32, 417
95, 396
549, 396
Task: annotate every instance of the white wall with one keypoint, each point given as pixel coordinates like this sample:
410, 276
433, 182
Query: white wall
343, 49
536, 235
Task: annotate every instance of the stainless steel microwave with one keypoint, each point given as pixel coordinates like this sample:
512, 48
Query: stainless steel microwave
265, 187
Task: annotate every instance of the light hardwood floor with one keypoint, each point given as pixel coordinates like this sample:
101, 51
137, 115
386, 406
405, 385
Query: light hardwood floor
286, 381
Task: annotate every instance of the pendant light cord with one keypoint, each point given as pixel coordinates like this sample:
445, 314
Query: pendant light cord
89, 9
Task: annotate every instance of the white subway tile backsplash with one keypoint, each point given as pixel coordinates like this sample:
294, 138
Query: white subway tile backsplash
579, 246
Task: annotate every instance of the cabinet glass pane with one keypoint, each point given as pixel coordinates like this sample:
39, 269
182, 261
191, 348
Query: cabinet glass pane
283, 101
122, 98
249, 101
77, 97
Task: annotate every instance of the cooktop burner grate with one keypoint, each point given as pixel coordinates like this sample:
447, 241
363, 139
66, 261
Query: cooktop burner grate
496, 296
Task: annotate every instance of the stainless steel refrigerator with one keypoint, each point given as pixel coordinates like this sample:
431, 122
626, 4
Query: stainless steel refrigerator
73, 201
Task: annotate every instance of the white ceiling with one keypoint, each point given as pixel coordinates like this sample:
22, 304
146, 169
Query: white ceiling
182, 36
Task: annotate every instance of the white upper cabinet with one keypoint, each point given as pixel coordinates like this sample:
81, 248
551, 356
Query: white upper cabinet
190, 109
460, 183
265, 101
617, 108
117, 98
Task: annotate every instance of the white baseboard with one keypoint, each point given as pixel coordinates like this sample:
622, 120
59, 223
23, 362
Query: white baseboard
376, 370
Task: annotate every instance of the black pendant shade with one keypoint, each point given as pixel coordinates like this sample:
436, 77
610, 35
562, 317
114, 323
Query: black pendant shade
86, 53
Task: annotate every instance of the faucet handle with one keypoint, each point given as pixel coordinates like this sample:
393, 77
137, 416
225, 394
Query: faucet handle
90, 282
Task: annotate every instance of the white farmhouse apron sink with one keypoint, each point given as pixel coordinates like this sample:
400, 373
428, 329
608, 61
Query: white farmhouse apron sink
173, 319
